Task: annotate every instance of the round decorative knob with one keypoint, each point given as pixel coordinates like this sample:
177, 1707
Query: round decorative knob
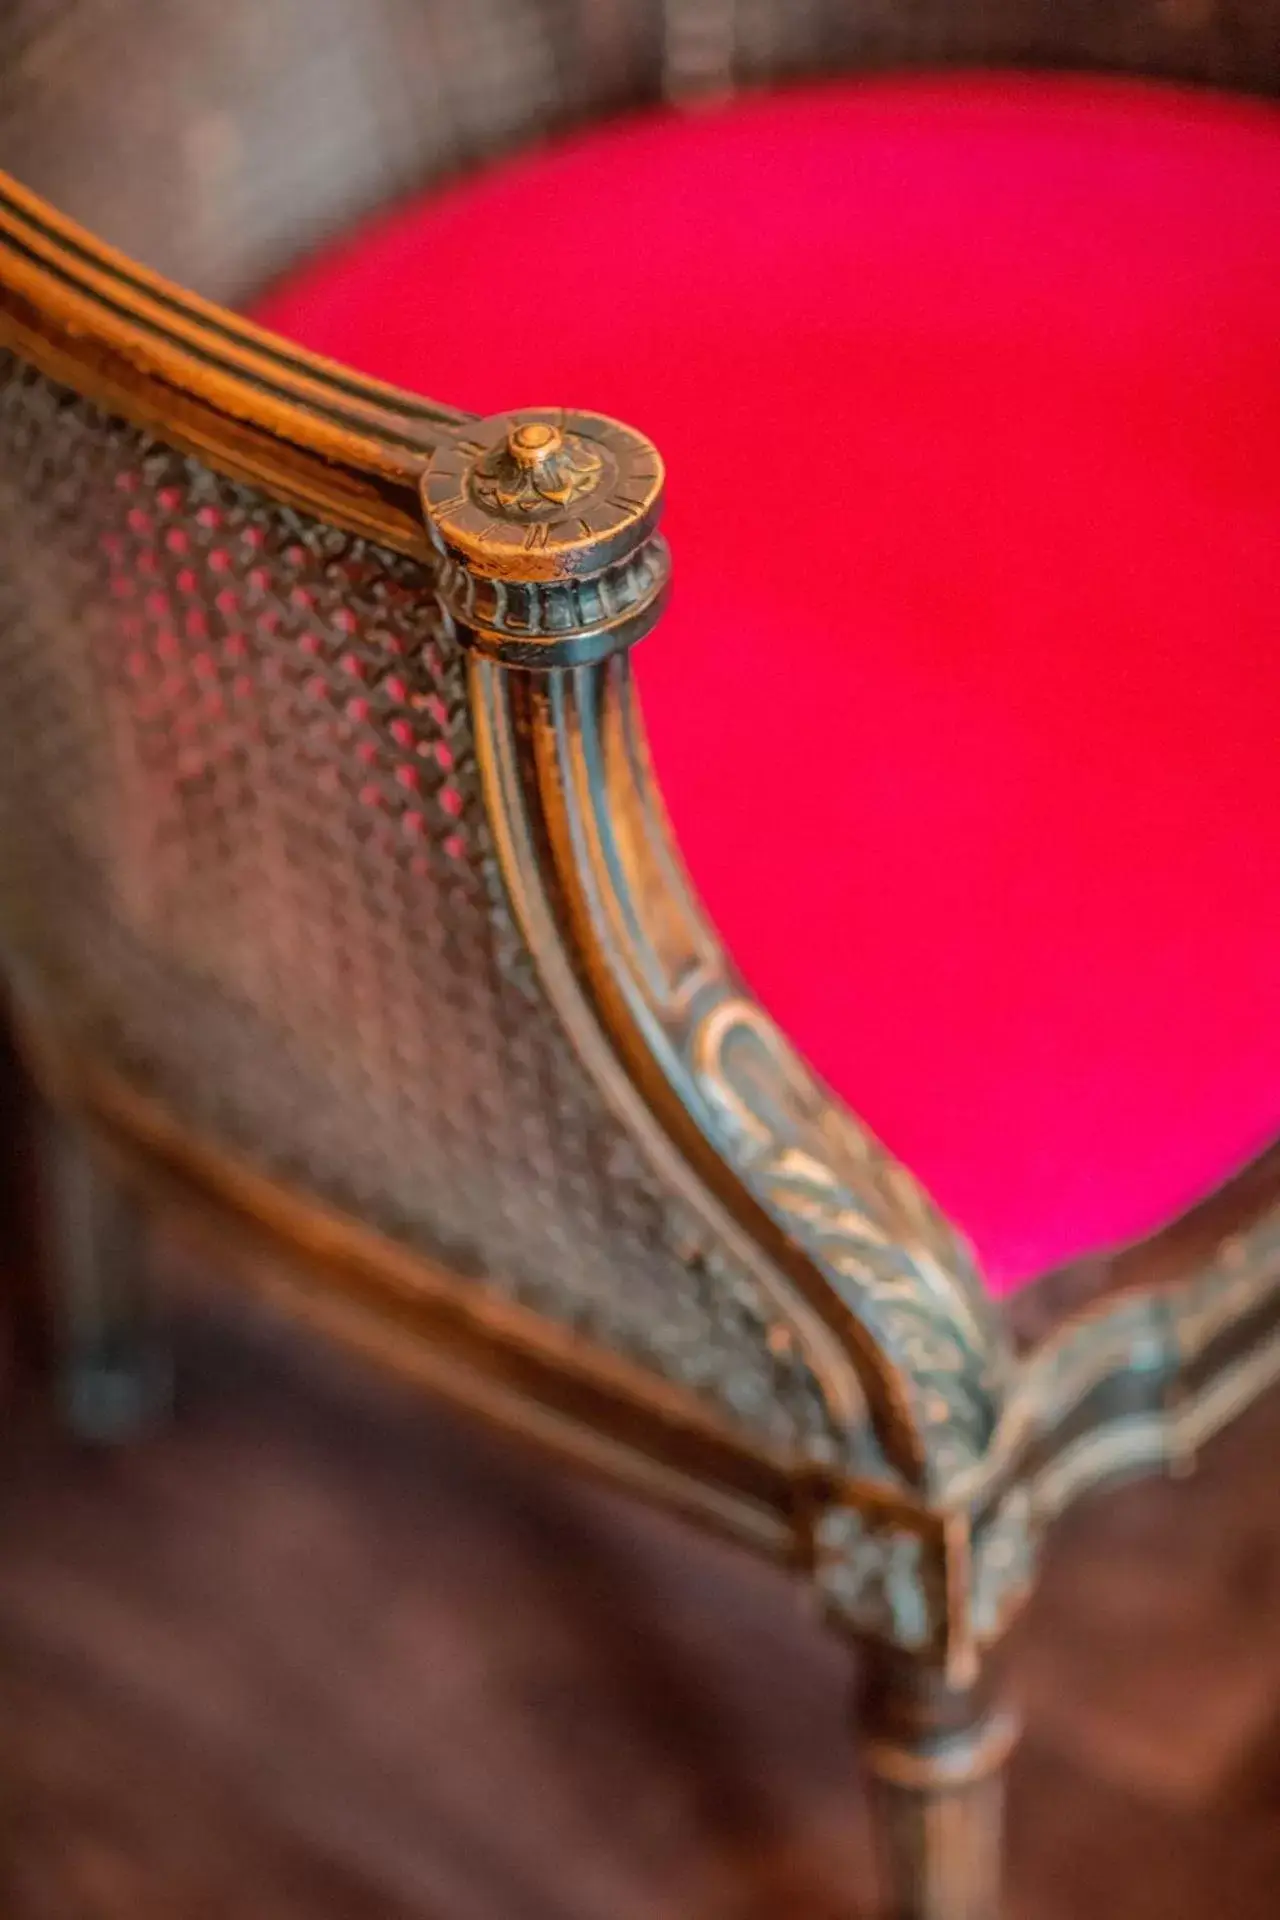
544, 520
534, 443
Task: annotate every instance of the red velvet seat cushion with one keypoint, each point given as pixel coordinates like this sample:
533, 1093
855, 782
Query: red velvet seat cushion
967, 705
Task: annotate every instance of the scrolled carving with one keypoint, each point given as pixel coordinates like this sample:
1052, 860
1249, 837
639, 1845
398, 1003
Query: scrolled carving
863, 1220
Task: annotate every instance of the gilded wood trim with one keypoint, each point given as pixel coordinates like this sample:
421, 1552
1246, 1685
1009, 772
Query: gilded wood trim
348, 449
1165, 1440
1144, 1340
394, 1341
960, 1762
485, 1351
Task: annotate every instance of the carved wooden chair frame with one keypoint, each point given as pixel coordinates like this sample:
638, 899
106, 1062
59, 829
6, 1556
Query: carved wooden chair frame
949, 1441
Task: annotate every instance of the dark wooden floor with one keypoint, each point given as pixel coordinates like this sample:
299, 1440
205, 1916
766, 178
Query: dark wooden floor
320, 1653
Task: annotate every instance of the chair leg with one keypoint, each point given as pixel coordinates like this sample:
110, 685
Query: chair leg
113, 1363
936, 1755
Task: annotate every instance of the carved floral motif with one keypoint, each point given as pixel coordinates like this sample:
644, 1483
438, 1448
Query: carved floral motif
865, 1222
877, 1577
539, 468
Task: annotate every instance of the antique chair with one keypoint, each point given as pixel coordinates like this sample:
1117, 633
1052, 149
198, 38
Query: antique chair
339, 906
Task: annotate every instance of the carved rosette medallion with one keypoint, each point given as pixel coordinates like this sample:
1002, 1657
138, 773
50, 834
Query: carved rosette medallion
545, 522
536, 472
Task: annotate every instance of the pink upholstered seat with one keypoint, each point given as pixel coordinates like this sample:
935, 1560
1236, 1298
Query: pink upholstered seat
967, 708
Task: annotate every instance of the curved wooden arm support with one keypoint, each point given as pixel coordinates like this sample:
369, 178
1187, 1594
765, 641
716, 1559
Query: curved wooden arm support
551, 562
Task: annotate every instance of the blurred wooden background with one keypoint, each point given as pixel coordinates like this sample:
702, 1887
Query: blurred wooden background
321, 1652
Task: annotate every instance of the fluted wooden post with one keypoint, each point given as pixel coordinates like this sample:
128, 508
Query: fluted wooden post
936, 1756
